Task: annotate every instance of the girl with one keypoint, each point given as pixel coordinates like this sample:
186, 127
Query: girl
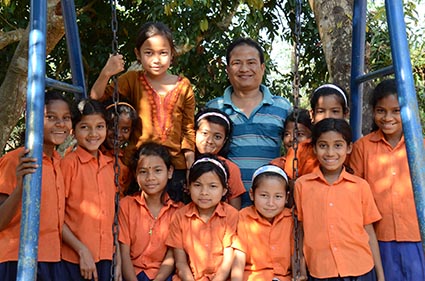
165, 101
128, 120
145, 218
13, 166
303, 134
202, 232
327, 101
213, 132
270, 225
89, 198
337, 210
380, 158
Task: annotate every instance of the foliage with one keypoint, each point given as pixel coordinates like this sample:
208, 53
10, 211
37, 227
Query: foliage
380, 48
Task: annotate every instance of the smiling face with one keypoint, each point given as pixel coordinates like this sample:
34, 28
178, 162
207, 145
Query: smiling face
328, 106
245, 71
206, 192
269, 196
331, 150
155, 55
124, 130
152, 174
90, 132
303, 134
210, 137
57, 122
386, 115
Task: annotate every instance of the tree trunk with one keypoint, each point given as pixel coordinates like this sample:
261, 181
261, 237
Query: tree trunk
334, 22
14, 87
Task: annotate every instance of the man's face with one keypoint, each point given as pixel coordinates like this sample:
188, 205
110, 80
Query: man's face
245, 71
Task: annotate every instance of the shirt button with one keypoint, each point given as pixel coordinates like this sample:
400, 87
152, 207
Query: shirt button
331, 204
335, 249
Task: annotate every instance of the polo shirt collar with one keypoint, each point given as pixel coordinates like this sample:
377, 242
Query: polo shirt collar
255, 215
267, 96
193, 211
343, 176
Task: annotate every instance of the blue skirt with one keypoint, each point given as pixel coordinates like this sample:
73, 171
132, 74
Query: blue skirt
143, 277
370, 276
72, 271
46, 271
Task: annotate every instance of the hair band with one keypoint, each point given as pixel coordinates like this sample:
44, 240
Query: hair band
216, 114
215, 162
332, 86
120, 103
271, 169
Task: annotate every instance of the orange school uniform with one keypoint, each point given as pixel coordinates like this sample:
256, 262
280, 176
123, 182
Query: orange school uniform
268, 246
144, 234
89, 203
387, 171
236, 186
204, 243
51, 209
125, 176
307, 160
334, 216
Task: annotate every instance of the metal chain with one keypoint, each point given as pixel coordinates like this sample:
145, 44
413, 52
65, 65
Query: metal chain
115, 98
296, 96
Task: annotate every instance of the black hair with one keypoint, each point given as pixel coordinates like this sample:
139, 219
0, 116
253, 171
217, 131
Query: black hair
201, 167
331, 125
150, 29
329, 90
54, 95
154, 149
303, 118
86, 107
228, 126
384, 89
244, 41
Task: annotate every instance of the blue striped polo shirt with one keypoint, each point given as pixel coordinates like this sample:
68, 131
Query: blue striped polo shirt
256, 139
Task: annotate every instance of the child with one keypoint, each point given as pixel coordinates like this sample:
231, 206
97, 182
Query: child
213, 132
145, 219
13, 166
128, 121
304, 133
264, 246
380, 158
164, 102
89, 198
327, 101
202, 232
337, 210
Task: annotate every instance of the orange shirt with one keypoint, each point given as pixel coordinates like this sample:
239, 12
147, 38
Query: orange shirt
334, 216
236, 187
307, 160
172, 123
387, 171
89, 203
268, 246
279, 161
204, 243
125, 176
144, 234
51, 209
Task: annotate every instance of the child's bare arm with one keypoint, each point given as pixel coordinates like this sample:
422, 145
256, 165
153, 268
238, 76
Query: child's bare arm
182, 265
127, 266
373, 242
9, 204
114, 65
167, 266
87, 265
224, 269
238, 266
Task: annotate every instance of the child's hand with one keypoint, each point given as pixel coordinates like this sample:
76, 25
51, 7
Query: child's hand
87, 265
26, 166
114, 65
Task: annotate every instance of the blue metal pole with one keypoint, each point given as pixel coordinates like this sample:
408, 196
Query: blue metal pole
30, 221
409, 105
357, 66
73, 44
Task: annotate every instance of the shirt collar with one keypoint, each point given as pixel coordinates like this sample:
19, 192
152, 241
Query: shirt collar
85, 157
317, 174
193, 211
267, 96
253, 213
378, 136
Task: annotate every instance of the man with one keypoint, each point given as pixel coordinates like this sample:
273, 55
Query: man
258, 116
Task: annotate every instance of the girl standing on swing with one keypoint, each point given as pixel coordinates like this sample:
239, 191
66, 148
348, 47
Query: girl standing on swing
165, 101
